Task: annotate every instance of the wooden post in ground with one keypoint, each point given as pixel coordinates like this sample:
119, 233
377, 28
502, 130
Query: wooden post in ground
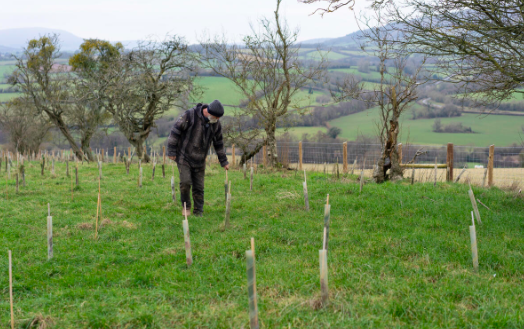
306, 197
228, 206
114, 155
264, 155
361, 180
460, 174
399, 151
345, 156
226, 190
251, 288
76, 173
251, 180
244, 168
413, 176
324, 292
140, 177
233, 155
49, 233
102, 155
449, 163
491, 159
11, 289
187, 241
474, 251
300, 155
354, 165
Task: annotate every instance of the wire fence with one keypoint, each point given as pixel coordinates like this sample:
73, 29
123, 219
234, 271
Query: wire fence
508, 162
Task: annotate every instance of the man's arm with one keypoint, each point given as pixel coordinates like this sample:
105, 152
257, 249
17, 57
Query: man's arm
218, 144
174, 137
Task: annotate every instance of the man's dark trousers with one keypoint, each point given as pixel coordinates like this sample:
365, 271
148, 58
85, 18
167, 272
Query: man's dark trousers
192, 177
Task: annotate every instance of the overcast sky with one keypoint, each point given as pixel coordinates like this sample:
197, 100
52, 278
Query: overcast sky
137, 19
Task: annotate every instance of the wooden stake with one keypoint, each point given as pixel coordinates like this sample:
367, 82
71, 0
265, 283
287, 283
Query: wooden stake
251, 180
251, 288
490, 164
244, 168
345, 157
140, 177
17, 186
361, 180
306, 198
233, 155
460, 174
114, 155
300, 155
413, 176
187, 241
484, 178
323, 277
474, 204
449, 163
399, 151
154, 168
354, 165
76, 174
11, 289
226, 188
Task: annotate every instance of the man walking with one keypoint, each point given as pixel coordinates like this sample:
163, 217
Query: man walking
188, 145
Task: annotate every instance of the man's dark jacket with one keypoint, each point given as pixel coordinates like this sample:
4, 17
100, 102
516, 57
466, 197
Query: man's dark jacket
191, 138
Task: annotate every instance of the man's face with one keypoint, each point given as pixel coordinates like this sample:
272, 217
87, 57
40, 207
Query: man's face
212, 118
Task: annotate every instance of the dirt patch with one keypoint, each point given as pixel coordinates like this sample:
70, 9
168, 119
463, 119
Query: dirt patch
129, 225
84, 226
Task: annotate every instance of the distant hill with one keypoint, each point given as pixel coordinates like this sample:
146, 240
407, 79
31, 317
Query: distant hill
16, 39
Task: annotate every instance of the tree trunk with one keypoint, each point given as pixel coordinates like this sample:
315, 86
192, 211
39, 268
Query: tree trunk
271, 142
85, 143
248, 155
389, 159
138, 143
59, 122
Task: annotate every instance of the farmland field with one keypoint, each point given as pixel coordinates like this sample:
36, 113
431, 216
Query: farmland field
495, 129
4, 97
399, 255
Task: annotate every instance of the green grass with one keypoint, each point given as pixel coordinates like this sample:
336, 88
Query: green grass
4, 97
495, 129
399, 255
5, 69
327, 54
299, 131
221, 89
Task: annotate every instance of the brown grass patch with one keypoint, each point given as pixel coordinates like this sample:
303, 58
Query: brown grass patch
84, 226
128, 225
40, 322
107, 222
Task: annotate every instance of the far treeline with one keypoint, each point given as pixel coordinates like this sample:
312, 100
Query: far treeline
473, 51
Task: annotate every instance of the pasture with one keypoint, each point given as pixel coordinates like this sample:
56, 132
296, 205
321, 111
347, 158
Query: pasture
500, 130
399, 255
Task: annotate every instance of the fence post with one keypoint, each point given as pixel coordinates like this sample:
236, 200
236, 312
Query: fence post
490, 164
449, 163
264, 151
102, 155
233, 155
345, 156
114, 155
300, 155
399, 150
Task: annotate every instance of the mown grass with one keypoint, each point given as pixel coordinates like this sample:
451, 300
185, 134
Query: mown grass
500, 130
399, 255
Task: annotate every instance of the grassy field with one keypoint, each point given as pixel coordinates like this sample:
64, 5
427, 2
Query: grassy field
4, 97
495, 129
399, 255
299, 131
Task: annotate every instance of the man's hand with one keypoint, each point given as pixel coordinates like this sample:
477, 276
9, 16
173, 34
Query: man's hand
173, 158
226, 167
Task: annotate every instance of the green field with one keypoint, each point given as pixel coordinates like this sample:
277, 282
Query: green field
5, 69
4, 97
399, 255
327, 54
299, 131
495, 129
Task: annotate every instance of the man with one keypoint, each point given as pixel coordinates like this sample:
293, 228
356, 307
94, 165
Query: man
188, 145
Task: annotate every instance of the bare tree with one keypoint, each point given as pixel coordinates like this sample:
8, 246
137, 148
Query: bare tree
150, 80
93, 69
268, 73
477, 44
393, 96
27, 127
46, 83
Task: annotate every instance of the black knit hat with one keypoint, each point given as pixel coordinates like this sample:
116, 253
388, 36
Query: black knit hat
216, 109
